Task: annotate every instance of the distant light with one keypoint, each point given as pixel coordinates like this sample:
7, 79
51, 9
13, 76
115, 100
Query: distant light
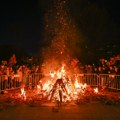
105, 60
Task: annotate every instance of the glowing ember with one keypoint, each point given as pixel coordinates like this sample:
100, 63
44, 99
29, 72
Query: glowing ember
39, 87
96, 90
23, 93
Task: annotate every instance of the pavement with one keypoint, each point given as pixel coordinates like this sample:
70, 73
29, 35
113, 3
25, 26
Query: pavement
89, 111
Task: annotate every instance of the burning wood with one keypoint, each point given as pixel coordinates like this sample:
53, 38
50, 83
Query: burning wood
60, 87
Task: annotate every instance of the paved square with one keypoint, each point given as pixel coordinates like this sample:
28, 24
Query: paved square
89, 111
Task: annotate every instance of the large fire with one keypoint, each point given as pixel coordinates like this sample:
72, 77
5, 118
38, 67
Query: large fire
58, 61
59, 87
59, 58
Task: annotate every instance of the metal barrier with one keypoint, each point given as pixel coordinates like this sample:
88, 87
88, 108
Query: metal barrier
8, 82
89, 79
31, 80
111, 81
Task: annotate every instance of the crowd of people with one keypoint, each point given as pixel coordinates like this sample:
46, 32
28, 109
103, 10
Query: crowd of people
110, 66
12, 74
10, 77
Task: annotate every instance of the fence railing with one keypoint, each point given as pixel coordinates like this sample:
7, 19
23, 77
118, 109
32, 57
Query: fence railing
8, 82
14, 82
111, 81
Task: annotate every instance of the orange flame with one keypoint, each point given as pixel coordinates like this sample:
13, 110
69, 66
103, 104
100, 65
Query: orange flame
96, 90
52, 74
23, 93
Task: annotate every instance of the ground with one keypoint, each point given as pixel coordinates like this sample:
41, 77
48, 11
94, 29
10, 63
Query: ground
100, 106
88, 111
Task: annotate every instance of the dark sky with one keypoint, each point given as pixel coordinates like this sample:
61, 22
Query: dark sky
22, 21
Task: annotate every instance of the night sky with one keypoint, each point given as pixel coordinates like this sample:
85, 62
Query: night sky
22, 21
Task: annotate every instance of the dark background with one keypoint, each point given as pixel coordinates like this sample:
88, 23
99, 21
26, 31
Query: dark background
22, 26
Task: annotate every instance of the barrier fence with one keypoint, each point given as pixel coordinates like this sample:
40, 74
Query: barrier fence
8, 82
14, 82
111, 81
